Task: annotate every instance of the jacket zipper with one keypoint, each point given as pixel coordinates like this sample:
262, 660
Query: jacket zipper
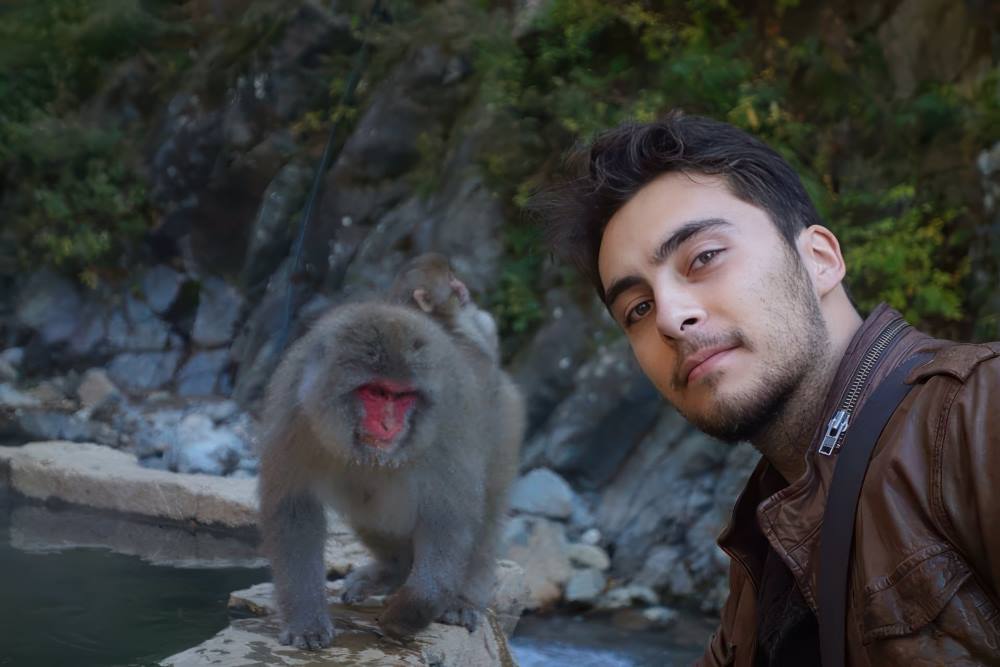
841, 419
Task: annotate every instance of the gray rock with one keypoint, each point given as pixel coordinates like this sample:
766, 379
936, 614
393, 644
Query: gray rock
905, 31
539, 547
666, 571
661, 490
143, 371
51, 305
13, 356
377, 258
660, 617
53, 391
581, 518
95, 388
48, 424
542, 492
96, 476
199, 376
202, 447
218, 311
219, 411
13, 398
153, 432
271, 235
161, 285
585, 586
465, 222
92, 334
8, 373
255, 641
385, 141
627, 596
544, 369
612, 409
36, 528
591, 536
589, 556
187, 145
134, 327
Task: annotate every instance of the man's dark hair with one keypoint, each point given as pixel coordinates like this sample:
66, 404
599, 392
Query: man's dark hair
621, 161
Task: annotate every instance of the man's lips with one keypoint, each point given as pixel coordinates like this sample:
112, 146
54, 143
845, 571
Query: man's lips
693, 362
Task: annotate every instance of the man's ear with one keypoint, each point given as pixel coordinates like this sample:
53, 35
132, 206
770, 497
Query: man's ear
821, 255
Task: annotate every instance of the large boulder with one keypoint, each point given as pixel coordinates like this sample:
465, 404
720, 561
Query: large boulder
219, 307
613, 408
51, 305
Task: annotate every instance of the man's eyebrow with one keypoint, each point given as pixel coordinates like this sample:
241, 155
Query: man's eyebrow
618, 287
682, 234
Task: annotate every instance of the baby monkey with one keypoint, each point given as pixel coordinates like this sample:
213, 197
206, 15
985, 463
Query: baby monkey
379, 412
428, 282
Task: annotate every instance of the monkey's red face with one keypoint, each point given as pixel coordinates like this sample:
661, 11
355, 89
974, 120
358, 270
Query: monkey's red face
386, 410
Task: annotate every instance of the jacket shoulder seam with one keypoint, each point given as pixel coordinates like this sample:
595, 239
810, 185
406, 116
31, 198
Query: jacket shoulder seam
937, 469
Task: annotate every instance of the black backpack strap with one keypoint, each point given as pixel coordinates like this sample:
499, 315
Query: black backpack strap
837, 532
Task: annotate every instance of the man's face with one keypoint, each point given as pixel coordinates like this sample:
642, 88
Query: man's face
719, 310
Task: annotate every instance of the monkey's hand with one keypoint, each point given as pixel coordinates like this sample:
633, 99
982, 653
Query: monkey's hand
309, 631
461, 613
406, 613
366, 581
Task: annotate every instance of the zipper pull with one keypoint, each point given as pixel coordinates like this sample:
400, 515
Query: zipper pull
834, 430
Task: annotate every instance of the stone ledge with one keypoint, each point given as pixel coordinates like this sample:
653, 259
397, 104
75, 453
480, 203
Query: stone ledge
95, 476
359, 640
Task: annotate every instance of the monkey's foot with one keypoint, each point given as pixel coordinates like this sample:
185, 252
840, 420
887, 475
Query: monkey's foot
406, 613
367, 581
462, 614
308, 636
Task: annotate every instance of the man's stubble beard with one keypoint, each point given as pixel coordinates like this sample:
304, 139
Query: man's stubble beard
747, 414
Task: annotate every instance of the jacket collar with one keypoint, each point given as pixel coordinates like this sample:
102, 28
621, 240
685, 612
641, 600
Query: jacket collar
788, 516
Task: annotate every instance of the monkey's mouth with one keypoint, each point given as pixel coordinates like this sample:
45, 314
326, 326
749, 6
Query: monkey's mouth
385, 410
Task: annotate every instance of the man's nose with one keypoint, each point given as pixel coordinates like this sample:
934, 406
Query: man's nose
678, 315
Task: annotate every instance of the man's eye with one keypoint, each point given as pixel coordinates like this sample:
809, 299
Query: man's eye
641, 310
705, 258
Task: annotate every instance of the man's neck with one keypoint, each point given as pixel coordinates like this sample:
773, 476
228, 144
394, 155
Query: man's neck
787, 438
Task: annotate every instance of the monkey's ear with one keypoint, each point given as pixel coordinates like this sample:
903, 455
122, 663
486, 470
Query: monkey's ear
420, 296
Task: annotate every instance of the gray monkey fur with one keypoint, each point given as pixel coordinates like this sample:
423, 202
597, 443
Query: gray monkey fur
429, 510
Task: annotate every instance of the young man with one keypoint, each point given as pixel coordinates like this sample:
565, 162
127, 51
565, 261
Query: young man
707, 251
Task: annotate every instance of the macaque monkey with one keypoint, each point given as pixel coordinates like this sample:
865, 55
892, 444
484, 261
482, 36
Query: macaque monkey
381, 414
428, 282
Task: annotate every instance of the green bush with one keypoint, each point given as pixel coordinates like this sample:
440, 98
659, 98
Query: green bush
893, 176
69, 189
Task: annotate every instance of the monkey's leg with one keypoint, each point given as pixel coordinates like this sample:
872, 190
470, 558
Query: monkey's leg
480, 578
295, 532
443, 544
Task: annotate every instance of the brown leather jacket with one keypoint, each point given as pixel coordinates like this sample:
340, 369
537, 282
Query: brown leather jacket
925, 574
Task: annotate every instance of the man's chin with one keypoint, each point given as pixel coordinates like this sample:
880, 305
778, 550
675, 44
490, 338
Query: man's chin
736, 419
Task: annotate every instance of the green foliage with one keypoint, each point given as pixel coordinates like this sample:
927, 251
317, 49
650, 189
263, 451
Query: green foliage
517, 303
897, 258
80, 206
822, 98
68, 188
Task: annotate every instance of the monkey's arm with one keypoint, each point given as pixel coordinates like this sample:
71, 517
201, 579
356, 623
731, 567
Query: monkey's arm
294, 530
443, 545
